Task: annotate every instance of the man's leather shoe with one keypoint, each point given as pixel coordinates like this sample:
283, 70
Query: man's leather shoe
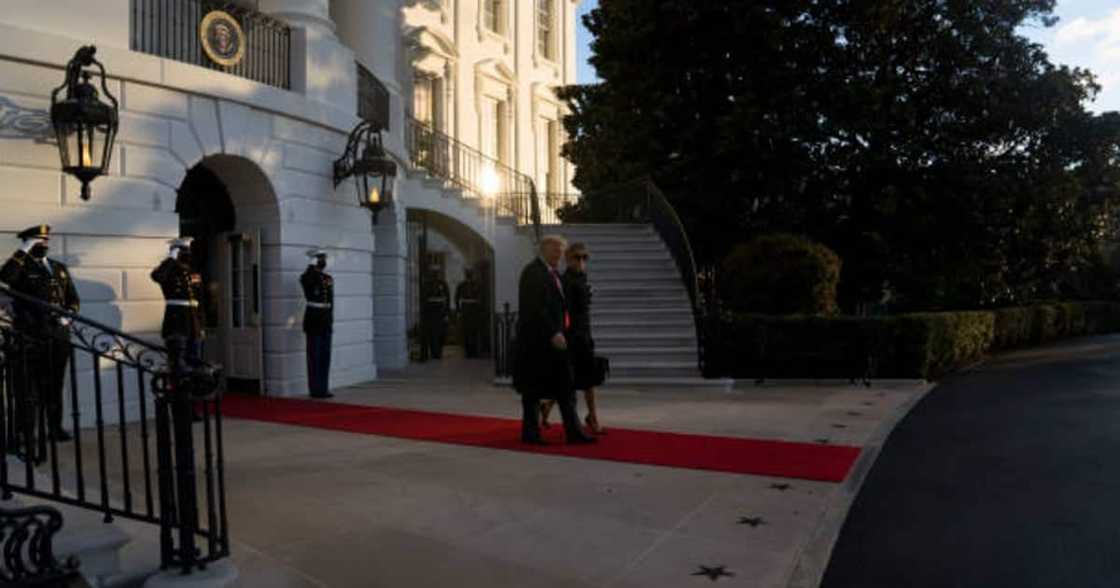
61, 435
533, 441
580, 439
323, 395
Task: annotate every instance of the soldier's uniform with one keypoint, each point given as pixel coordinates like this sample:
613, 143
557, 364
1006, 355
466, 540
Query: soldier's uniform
468, 303
183, 326
40, 372
318, 323
437, 300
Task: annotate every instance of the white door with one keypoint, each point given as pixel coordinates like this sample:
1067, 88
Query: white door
242, 329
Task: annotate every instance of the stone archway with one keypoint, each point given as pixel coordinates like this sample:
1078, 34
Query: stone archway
228, 205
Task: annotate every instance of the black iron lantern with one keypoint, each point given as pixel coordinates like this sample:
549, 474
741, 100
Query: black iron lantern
84, 125
373, 171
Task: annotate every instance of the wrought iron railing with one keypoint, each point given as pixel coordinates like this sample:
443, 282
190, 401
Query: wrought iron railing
170, 29
136, 456
28, 548
373, 98
476, 174
505, 324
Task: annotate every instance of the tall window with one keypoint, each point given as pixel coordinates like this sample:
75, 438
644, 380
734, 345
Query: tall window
493, 128
492, 15
548, 176
544, 28
426, 99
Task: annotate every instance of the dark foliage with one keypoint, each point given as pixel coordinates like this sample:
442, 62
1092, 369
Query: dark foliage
934, 148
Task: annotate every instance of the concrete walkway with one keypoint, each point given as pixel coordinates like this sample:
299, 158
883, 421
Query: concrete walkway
319, 508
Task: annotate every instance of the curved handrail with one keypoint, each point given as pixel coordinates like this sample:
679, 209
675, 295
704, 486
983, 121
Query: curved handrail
668, 224
474, 172
640, 200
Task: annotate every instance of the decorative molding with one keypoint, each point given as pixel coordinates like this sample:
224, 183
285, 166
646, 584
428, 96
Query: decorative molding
21, 122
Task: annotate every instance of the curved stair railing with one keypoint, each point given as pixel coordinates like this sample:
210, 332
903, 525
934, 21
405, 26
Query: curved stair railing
641, 201
478, 175
136, 457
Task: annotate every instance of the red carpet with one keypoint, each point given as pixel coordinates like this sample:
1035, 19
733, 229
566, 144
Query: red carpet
827, 463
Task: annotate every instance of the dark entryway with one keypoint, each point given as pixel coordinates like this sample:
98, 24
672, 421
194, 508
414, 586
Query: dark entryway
228, 259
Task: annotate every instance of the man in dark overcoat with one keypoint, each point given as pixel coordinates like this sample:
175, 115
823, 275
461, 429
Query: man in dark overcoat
541, 369
318, 322
40, 374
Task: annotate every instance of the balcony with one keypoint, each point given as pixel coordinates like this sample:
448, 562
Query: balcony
171, 29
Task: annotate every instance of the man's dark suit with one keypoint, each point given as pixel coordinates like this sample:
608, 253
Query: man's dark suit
541, 370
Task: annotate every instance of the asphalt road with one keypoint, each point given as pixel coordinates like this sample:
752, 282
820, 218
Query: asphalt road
1007, 475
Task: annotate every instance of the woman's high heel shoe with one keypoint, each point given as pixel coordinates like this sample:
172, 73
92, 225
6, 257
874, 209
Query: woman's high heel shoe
594, 427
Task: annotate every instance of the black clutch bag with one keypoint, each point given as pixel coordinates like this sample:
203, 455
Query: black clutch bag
601, 368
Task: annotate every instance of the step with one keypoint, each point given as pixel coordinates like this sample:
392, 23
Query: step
632, 265
628, 256
97, 545
654, 372
597, 227
596, 273
644, 333
668, 295
620, 279
623, 352
652, 342
651, 306
724, 384
603, 323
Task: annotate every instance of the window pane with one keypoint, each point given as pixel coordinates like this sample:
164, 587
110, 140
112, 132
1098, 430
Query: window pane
544, 27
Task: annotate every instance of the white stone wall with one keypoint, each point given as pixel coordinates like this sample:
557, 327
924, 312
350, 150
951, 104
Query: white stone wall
273, 149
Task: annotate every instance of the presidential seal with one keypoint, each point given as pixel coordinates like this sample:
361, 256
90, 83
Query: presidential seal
222, 38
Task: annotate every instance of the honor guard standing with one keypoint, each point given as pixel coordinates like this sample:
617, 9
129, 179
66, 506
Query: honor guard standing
40, 374
182, 317
437, 300
318, 322
468, 303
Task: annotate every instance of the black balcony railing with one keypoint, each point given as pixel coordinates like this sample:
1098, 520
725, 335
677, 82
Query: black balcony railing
136, 457
477, 175
373, 98
170, 29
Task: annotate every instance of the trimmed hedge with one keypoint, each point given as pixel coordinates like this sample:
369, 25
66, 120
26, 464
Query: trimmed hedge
918, 345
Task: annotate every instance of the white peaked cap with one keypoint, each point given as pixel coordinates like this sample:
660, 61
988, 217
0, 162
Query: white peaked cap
316, 252
184, 242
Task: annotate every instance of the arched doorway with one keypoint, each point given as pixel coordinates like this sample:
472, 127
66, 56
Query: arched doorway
225, 203
439, 243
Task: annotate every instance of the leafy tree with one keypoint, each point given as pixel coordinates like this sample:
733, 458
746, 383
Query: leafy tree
929, 124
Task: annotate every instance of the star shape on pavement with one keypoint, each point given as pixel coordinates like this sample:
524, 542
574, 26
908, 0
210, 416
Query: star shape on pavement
713, 573
783, 486
752, 521
839, 426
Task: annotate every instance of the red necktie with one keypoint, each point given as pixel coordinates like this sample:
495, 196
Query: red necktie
560, 287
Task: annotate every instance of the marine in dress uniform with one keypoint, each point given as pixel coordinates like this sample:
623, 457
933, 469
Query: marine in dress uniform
318, 322
40, 373
183, 330
437, 304
468, 304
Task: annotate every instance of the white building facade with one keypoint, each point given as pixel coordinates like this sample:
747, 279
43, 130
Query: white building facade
241, 159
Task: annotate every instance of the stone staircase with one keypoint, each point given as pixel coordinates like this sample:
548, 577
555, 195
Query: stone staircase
641, 316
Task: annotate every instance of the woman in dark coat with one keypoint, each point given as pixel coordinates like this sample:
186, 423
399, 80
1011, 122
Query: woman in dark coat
581, 346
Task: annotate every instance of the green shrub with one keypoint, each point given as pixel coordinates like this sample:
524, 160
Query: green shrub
781, 274
1013, 327
918, 345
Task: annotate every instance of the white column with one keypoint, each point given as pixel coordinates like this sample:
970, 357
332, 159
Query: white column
322, 68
